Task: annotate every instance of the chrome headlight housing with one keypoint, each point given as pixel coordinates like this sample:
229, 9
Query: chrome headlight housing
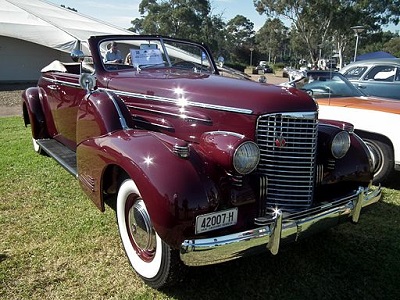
246, 157
340, 144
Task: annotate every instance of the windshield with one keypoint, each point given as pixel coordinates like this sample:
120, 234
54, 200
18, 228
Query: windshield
138, 54
328, 85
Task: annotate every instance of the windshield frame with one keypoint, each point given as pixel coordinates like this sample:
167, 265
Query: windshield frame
163, 47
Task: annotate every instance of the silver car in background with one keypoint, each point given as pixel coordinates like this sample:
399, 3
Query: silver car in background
375, 77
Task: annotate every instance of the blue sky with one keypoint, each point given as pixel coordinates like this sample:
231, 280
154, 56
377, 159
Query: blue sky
121, 12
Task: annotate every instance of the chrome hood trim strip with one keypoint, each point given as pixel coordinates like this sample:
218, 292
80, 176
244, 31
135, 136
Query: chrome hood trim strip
159, 99
177, 101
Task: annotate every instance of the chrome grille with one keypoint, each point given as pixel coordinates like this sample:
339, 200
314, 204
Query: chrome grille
287, 143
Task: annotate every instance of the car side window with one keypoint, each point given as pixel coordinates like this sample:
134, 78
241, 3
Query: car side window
397, 75
355, 73
381, 73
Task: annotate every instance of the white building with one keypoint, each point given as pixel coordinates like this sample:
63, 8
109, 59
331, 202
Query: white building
34, 33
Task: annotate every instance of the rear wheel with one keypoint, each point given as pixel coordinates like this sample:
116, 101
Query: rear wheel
155, 262
382, 157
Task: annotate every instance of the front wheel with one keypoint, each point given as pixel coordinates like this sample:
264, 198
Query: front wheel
382, 158
154, 261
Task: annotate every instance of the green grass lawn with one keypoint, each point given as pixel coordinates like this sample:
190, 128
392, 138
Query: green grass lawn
55, 244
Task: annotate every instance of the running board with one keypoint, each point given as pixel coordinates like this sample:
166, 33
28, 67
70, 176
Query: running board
63, 155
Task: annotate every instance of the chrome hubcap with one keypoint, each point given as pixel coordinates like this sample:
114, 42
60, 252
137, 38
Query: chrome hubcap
141, 229
376, 156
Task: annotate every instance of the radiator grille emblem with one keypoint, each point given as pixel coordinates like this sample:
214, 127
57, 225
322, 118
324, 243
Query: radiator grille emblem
280, 142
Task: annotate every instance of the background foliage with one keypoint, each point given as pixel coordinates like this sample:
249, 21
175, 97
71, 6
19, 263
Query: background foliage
318, 28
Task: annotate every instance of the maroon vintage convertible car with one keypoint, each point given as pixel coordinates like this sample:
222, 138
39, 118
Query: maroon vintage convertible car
200, 168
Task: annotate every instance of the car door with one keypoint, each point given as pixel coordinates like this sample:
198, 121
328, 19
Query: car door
380, 80
64, 97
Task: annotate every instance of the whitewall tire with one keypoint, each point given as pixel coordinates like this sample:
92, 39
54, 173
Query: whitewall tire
152, 259
382, 157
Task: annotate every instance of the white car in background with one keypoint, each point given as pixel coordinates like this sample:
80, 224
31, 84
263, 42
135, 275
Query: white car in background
376, 120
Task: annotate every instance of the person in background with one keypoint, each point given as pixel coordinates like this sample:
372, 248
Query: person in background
113, 55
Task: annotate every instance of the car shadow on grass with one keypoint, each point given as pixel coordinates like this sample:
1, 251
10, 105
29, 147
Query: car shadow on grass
346, 262
393, 182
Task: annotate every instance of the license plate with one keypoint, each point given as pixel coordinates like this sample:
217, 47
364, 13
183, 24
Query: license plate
216, 220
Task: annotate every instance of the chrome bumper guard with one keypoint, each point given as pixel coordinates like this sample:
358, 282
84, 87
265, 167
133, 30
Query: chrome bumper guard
276, 228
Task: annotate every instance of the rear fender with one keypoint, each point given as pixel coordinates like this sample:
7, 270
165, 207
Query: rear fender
175, 189
33, 113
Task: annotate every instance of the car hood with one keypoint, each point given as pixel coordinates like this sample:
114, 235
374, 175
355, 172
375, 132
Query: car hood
366, 103
171, 85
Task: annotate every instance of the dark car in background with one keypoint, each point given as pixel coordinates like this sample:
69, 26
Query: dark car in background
375, 77
264, 68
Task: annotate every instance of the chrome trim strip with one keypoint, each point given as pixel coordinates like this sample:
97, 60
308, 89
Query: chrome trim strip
160, 99
181, 115
121, 118
57, 81
164, 127
176, 101
283, 227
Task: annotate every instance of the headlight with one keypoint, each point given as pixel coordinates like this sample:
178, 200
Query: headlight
246, 157
340, 144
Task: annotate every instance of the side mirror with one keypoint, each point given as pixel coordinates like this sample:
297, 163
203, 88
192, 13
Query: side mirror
87, 82
77, 55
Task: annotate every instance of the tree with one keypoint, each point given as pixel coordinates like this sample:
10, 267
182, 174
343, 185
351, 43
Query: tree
309, 20
381, 41
271, 39
240, 31
239, 39
214, 36
393, 46
176, 18
189, 19
320, 22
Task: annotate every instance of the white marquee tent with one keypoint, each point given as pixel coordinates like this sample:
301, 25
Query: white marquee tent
33, 33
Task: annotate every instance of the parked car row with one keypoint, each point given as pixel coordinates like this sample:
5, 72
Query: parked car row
200, 168
375, 119
375, 77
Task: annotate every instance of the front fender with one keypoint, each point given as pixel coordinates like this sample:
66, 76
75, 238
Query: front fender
33, 113
355, 166
98, 115
174, 189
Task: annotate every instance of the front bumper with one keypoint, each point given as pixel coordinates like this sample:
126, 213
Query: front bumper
277, 228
